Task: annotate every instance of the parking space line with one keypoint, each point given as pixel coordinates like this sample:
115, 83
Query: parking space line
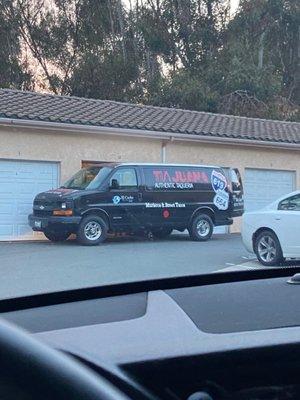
240, 267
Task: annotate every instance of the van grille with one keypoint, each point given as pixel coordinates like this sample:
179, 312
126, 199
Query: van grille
45, 203
42, 213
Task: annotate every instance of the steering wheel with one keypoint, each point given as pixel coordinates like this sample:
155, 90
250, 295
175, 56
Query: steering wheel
41, 372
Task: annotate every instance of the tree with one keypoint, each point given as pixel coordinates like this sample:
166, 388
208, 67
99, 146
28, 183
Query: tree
176, 53
107, 64
259, 72
12, 70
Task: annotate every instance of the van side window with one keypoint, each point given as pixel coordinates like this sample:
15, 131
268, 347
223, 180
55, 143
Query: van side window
291, 203
177, 178
126, 178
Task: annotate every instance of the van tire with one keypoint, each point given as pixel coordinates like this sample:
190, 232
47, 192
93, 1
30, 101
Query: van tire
92, 231
201, 228
162, 233
57, 236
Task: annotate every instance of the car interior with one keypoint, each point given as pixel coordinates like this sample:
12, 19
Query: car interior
198, 337
150, 199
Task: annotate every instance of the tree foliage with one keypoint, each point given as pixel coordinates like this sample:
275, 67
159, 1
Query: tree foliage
12, 70
177, 53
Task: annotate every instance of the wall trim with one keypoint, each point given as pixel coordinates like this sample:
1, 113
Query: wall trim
146, 134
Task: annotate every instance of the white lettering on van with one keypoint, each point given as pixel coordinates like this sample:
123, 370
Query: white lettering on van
164, 185
173, 185
165, 205
186, 185
153, 205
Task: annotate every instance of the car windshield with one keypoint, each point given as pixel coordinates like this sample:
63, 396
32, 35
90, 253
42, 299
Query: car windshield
87, 178
147, 139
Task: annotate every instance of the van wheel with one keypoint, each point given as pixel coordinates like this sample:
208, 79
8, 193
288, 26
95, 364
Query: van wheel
92, 231
162, 233
267, 249
57, 236
201, 228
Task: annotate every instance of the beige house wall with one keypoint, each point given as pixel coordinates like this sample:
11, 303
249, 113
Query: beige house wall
70, 149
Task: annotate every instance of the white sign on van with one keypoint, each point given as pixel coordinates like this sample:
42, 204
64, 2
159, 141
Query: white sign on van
221, 200
165, 205
219, 183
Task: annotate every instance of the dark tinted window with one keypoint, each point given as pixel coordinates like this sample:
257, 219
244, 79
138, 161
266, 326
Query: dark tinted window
236, 179
126, 178
291, 203
88, 178
179, 178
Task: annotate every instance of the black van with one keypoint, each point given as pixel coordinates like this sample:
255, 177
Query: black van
137, 198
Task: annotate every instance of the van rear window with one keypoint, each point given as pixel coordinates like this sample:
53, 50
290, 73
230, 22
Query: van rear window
177, 178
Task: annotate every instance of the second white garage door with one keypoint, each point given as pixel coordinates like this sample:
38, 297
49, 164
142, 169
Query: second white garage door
262, 186
20, 181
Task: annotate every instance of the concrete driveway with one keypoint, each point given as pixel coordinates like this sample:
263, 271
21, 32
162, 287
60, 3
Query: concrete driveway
35, 267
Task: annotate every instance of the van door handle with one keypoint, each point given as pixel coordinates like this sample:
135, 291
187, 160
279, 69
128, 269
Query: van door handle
278, 218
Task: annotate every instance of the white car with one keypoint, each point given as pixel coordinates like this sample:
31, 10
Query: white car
273, 233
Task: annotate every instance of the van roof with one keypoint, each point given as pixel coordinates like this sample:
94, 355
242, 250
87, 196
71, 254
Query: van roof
164, 165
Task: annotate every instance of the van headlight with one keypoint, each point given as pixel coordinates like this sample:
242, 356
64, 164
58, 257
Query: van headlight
67, 204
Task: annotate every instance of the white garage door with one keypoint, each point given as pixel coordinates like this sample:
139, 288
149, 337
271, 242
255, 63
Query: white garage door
20, 181
262, 186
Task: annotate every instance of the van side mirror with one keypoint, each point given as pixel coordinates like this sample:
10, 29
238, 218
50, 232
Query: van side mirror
114, 184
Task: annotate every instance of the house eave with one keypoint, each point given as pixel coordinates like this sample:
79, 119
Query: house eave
142, 133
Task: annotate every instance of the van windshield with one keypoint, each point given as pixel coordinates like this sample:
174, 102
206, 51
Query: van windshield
88, 178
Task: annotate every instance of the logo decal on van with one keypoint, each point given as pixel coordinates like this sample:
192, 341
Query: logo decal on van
126, 199
219, 183
221, 200
116, 199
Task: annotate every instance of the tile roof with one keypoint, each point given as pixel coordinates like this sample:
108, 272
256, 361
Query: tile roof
33, 106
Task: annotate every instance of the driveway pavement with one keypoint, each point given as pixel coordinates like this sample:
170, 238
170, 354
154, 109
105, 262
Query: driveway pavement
35, 267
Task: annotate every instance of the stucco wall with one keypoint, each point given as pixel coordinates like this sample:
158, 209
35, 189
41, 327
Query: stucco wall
71, 149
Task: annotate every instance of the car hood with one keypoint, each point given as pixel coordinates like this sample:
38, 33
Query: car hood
57, 194
62, 191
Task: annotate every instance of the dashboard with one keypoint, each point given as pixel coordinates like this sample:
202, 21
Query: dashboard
221, 337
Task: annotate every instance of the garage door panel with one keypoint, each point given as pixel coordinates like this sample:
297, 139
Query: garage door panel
26, 187
42, 187
20, 181
22, 230
6, 208
6, 188
4, 175
22, 209
6, 230
264, 186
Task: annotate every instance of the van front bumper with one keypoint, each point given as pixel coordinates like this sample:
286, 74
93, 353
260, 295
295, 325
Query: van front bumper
41, 223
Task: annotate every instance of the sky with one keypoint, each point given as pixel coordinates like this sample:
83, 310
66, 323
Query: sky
234, 5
